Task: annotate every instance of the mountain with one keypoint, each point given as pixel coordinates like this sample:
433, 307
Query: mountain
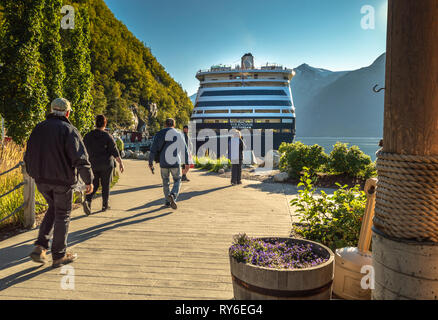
193, 98
308, 81
338, 104
127, 76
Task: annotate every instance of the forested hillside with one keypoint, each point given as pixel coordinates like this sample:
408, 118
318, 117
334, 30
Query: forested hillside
126, 73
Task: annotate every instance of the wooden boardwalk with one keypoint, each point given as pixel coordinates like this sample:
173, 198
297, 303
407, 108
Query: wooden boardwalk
142, 250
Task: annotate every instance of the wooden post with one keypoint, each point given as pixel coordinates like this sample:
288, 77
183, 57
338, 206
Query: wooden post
406, 269
29, 200
411, 97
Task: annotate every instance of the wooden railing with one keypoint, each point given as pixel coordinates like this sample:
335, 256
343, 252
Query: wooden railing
29, 202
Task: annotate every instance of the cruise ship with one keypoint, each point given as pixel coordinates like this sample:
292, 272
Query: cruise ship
246, 97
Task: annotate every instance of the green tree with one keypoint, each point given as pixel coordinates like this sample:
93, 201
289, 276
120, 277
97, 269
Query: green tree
79, 79
51, 51
23, 97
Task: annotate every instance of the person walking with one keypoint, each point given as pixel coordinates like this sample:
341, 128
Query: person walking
55, 156
235, 149
185, 169
170, 149
102, 150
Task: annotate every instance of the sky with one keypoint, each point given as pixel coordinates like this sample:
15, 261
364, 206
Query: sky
188, 35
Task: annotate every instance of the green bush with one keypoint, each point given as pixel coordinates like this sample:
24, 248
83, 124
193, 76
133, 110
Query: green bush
296, 156
333, 220
351, 161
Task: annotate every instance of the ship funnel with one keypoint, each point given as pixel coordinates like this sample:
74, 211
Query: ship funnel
248, 61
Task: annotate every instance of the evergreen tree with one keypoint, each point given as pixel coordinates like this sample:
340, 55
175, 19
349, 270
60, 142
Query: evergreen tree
79, 79
51, 51
23, 95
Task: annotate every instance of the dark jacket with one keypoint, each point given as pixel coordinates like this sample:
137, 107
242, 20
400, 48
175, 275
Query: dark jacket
55, 153
189, 147
101, 148
171, 142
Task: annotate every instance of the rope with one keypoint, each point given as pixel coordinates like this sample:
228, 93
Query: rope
13, 213
407, 196
10, 191
18, 165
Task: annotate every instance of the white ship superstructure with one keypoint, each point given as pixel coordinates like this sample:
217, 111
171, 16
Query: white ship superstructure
246, 97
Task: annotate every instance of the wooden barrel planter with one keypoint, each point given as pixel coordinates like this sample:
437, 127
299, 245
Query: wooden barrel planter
252, 282
404, 269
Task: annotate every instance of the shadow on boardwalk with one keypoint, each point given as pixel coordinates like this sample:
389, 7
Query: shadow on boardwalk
180, 254
183, 197
20, 253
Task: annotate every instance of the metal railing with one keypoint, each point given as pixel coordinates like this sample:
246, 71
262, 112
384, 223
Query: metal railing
29, 203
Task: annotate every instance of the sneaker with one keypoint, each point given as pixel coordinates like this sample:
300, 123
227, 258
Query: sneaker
87, 207
105, 208
38, 255
184, 178
68, 258
167, 204
172, 201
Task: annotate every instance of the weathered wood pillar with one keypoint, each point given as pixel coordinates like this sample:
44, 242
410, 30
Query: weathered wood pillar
29, 199
411, 97
405, 266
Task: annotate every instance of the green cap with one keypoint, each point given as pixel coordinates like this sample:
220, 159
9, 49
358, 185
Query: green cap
60, 104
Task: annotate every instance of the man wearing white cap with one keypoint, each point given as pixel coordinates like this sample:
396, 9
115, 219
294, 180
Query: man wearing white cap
55, 156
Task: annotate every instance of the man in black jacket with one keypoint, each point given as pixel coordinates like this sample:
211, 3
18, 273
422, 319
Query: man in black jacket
102, 150
169, 144
55, 155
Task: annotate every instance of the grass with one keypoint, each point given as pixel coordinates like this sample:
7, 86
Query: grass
10, 155
212, 165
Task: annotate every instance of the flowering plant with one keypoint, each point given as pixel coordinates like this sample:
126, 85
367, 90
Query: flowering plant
272, 253
333, 220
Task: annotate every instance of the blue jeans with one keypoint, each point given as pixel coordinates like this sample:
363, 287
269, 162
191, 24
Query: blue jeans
176, 175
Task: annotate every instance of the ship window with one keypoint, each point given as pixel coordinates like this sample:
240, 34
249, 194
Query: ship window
243, 93
288, 121
215, 120
249, 103
242, 111
287, 111
215, 111
241, 120
268, 120
267, 111
199, 111
286, 130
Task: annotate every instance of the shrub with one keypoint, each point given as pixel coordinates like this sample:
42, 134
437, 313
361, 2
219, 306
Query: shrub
296, 156
351, 161
334, 220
